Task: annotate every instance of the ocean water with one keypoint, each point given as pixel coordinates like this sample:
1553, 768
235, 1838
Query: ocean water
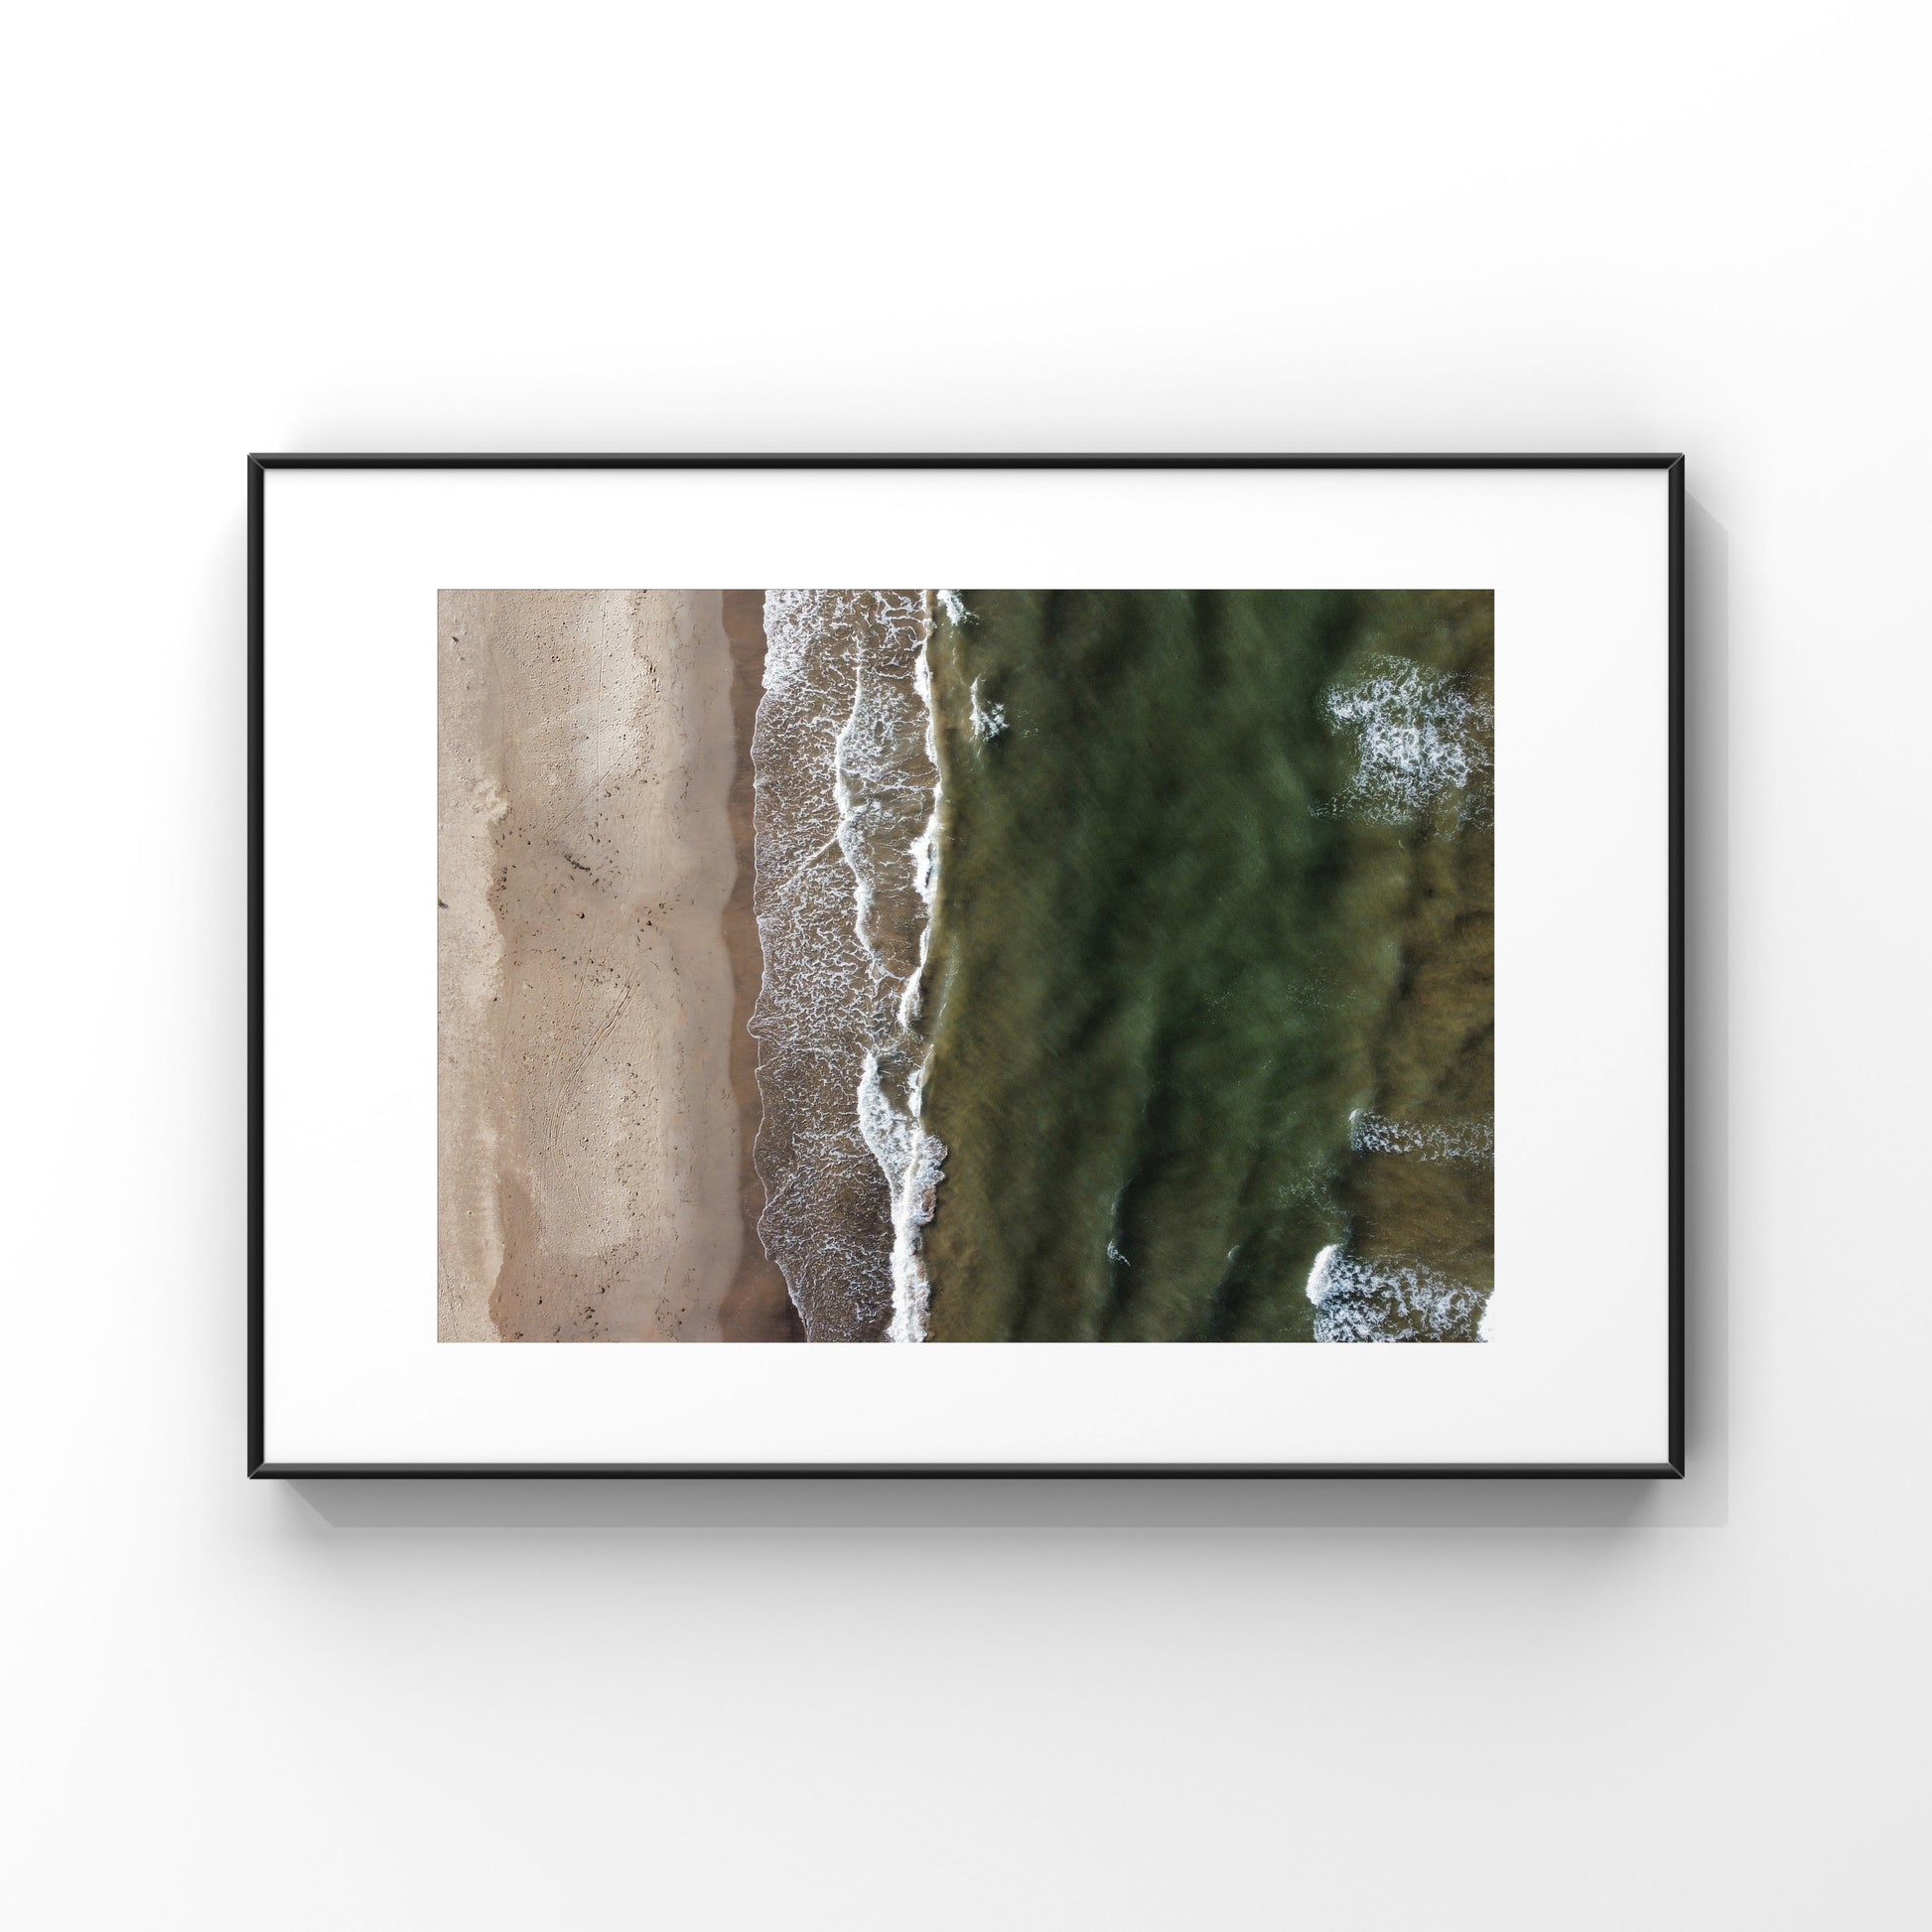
1128, 963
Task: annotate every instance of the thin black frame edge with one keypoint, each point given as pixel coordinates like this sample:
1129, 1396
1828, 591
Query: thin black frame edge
961, 460
1675, 728
966, 1472
258, 1417
1673, 462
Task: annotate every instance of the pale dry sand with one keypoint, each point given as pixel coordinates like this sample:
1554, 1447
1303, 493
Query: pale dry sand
589, 1137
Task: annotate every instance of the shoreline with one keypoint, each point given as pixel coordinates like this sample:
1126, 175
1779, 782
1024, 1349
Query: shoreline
756, 1305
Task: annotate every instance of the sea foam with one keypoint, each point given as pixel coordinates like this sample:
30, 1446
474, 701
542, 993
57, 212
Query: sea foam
1419, 737
845, 874
1359, 1299
1455, 1140
989, 720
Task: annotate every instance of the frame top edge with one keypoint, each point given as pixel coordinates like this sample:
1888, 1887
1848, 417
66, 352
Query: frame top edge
959, 459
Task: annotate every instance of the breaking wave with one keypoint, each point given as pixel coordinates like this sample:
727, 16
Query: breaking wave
988, 720
1421, 736
1456, 1139
845, 867
1390, 1301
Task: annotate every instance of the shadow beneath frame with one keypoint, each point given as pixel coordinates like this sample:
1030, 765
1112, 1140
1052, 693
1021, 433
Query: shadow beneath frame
1034, 1503
1699, 1501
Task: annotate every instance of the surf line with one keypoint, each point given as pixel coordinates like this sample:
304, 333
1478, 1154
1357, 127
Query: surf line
843, 800
873, 758
845, 877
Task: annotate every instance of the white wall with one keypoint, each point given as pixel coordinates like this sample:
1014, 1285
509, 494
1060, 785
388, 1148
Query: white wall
995, 226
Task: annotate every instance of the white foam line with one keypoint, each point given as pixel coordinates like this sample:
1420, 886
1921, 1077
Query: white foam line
911, 1160
1321, 1273
989, 720
1455, 1140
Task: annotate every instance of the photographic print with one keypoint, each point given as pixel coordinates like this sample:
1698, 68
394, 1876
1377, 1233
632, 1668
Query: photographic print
788, 1032
913, 966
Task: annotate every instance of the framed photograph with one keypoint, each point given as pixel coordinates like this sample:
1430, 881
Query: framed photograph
1039, 1026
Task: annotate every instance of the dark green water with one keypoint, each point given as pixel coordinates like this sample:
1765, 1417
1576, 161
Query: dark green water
1190, 918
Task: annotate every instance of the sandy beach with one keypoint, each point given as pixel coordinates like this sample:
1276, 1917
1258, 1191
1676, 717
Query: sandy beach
591, 1172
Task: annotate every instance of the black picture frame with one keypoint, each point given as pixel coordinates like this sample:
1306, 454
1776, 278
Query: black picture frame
258, 464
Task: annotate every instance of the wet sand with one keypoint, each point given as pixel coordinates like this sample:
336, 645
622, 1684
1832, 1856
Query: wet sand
590, 1184
756, 1306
